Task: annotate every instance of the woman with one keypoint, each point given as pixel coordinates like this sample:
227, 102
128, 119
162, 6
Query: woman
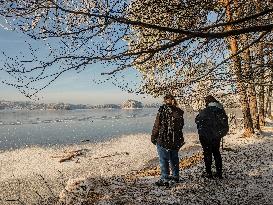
167, 135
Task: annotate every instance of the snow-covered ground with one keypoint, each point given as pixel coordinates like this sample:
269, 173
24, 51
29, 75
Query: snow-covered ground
123, 171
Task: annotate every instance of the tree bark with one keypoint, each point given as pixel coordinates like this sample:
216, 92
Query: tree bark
267, 103
251, 90
269, 99
262, 87
253, 106
237, 69
261, 77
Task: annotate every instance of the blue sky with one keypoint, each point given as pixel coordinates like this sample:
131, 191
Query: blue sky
71, 87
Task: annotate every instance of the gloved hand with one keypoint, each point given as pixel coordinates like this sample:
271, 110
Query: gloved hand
154, 142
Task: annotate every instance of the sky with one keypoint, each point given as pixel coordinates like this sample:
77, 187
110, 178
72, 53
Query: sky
71, 87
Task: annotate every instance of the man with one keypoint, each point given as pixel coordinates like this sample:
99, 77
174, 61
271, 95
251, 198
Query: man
212, 125
167, 135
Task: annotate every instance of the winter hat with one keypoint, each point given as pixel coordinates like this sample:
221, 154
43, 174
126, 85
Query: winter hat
210, 99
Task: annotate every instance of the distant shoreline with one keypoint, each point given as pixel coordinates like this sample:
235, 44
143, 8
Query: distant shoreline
18, 105
95, 108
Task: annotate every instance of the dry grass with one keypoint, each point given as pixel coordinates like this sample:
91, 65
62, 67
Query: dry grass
184, 163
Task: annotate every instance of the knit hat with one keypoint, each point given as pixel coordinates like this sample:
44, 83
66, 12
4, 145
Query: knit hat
210, 99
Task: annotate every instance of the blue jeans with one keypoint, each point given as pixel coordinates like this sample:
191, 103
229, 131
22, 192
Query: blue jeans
167, 157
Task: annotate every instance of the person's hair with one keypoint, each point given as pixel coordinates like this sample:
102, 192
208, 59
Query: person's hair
170, 100
210, 99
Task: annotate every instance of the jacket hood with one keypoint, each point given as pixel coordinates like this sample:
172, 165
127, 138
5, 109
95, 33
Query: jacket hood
215, 104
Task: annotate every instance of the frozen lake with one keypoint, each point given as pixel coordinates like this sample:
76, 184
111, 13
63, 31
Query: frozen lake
20, 128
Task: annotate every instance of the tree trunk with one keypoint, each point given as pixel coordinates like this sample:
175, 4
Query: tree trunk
261, 76
261, 82
253, 106
248, 124
237, 69
269, 101
269, 110
251, 91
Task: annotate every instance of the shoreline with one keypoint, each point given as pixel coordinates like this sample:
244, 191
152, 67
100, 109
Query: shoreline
40, 156
114, 161
117, 156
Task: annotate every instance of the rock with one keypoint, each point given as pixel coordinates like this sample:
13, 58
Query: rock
131, 104
81, 191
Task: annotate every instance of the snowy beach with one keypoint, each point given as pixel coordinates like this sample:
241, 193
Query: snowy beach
97, 95
123, 170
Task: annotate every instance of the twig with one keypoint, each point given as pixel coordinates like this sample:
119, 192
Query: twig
62, 178
111, 155
15, 200
39, 195
69, 155
47, 185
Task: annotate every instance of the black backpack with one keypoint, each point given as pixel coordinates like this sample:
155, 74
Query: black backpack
167, 121
171, 127
221, 127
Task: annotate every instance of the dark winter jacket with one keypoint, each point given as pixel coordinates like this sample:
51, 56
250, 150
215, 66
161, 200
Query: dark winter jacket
212, 122
167, 130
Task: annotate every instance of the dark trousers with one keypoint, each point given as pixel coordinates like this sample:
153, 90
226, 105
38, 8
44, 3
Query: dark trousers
210, 148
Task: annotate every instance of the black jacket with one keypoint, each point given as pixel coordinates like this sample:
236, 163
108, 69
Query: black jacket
212, 122
167, 130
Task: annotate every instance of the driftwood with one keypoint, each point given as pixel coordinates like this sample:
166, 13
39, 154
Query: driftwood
112, 155
86, 140
69, 155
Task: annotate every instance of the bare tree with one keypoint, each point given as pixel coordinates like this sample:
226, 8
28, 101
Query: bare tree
173, 44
